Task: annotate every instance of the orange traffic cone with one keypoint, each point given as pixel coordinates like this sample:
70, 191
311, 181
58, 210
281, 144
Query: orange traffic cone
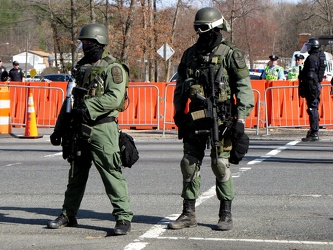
30, 124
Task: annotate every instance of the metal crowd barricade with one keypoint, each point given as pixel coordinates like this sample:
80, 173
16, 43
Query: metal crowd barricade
252, 122
168, 111
285, 109
47, 102
168, 105
143, 108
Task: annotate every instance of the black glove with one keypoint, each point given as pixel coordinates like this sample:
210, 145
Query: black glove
240, 143
180, 118
180, 121
238, 130
55, 138
81, 114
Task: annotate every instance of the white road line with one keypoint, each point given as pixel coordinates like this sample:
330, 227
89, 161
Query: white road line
155, 231
13, 164
273, 153
53, 155
252, 240
158, 229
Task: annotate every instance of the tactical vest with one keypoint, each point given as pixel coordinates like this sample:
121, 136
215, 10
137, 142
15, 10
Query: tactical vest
198, 79
92, 79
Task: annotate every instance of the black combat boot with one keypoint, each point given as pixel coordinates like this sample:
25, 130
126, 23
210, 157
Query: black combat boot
62, 221
311, 136
187, 218
122, 227
225, 221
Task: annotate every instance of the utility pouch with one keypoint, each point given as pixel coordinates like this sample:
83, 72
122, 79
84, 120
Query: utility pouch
196, 115
194, 90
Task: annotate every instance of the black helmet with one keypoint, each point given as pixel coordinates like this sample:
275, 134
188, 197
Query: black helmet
207, 19
312, 43
95, 32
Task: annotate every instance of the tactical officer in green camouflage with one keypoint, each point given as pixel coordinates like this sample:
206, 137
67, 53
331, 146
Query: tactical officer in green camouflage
232, 82
105, 80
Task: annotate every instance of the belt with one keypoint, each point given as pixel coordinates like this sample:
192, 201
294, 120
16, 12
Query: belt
105, 120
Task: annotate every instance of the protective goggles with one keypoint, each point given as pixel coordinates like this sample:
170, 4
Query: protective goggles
202, 28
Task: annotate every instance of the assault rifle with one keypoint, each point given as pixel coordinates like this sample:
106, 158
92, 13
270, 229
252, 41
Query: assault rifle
212, 111
73, 136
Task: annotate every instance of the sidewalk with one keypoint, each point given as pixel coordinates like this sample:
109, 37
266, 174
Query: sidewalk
274, 134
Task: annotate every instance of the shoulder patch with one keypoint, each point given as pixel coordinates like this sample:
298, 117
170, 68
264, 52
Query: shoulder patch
117, 74
239, 59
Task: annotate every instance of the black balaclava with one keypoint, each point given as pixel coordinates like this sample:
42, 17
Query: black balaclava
209, 40
93, 52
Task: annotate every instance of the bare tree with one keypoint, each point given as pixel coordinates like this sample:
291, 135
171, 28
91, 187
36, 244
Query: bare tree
127, 32
259, 28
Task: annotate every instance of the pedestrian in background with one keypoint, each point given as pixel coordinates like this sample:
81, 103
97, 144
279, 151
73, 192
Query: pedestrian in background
295, 70
231, 80
16, 74
3, 72
104, 79
273, 71
310, 79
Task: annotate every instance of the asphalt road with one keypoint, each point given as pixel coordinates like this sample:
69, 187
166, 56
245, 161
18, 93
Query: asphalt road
284, 197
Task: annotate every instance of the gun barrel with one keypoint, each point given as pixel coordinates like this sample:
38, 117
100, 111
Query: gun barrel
69, 103
71, 84
200, 97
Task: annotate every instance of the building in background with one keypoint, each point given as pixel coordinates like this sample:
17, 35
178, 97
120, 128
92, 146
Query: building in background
34, 59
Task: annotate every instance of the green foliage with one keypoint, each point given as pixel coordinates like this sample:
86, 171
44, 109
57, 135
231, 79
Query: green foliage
9, 15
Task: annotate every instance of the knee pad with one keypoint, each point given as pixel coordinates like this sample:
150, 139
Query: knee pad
190, 167
221, 169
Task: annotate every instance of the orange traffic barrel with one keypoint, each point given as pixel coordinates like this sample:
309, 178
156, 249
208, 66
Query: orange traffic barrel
5, 126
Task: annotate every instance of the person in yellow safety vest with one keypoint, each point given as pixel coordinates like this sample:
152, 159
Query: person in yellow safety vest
294, 71
273, 71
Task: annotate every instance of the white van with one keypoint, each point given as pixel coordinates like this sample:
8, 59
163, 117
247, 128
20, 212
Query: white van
329, 61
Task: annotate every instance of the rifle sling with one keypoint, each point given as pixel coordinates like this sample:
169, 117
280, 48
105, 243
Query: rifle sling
219, 74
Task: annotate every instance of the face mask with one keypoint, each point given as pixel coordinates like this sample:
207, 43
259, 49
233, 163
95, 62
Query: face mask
206, 37
209, 40
93, 52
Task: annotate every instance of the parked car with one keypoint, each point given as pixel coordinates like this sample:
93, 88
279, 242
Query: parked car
56, 78
174, 77
36, 78
255, 74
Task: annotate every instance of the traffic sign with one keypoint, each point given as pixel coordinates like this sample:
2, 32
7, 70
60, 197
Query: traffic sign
33, 72
165, 51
